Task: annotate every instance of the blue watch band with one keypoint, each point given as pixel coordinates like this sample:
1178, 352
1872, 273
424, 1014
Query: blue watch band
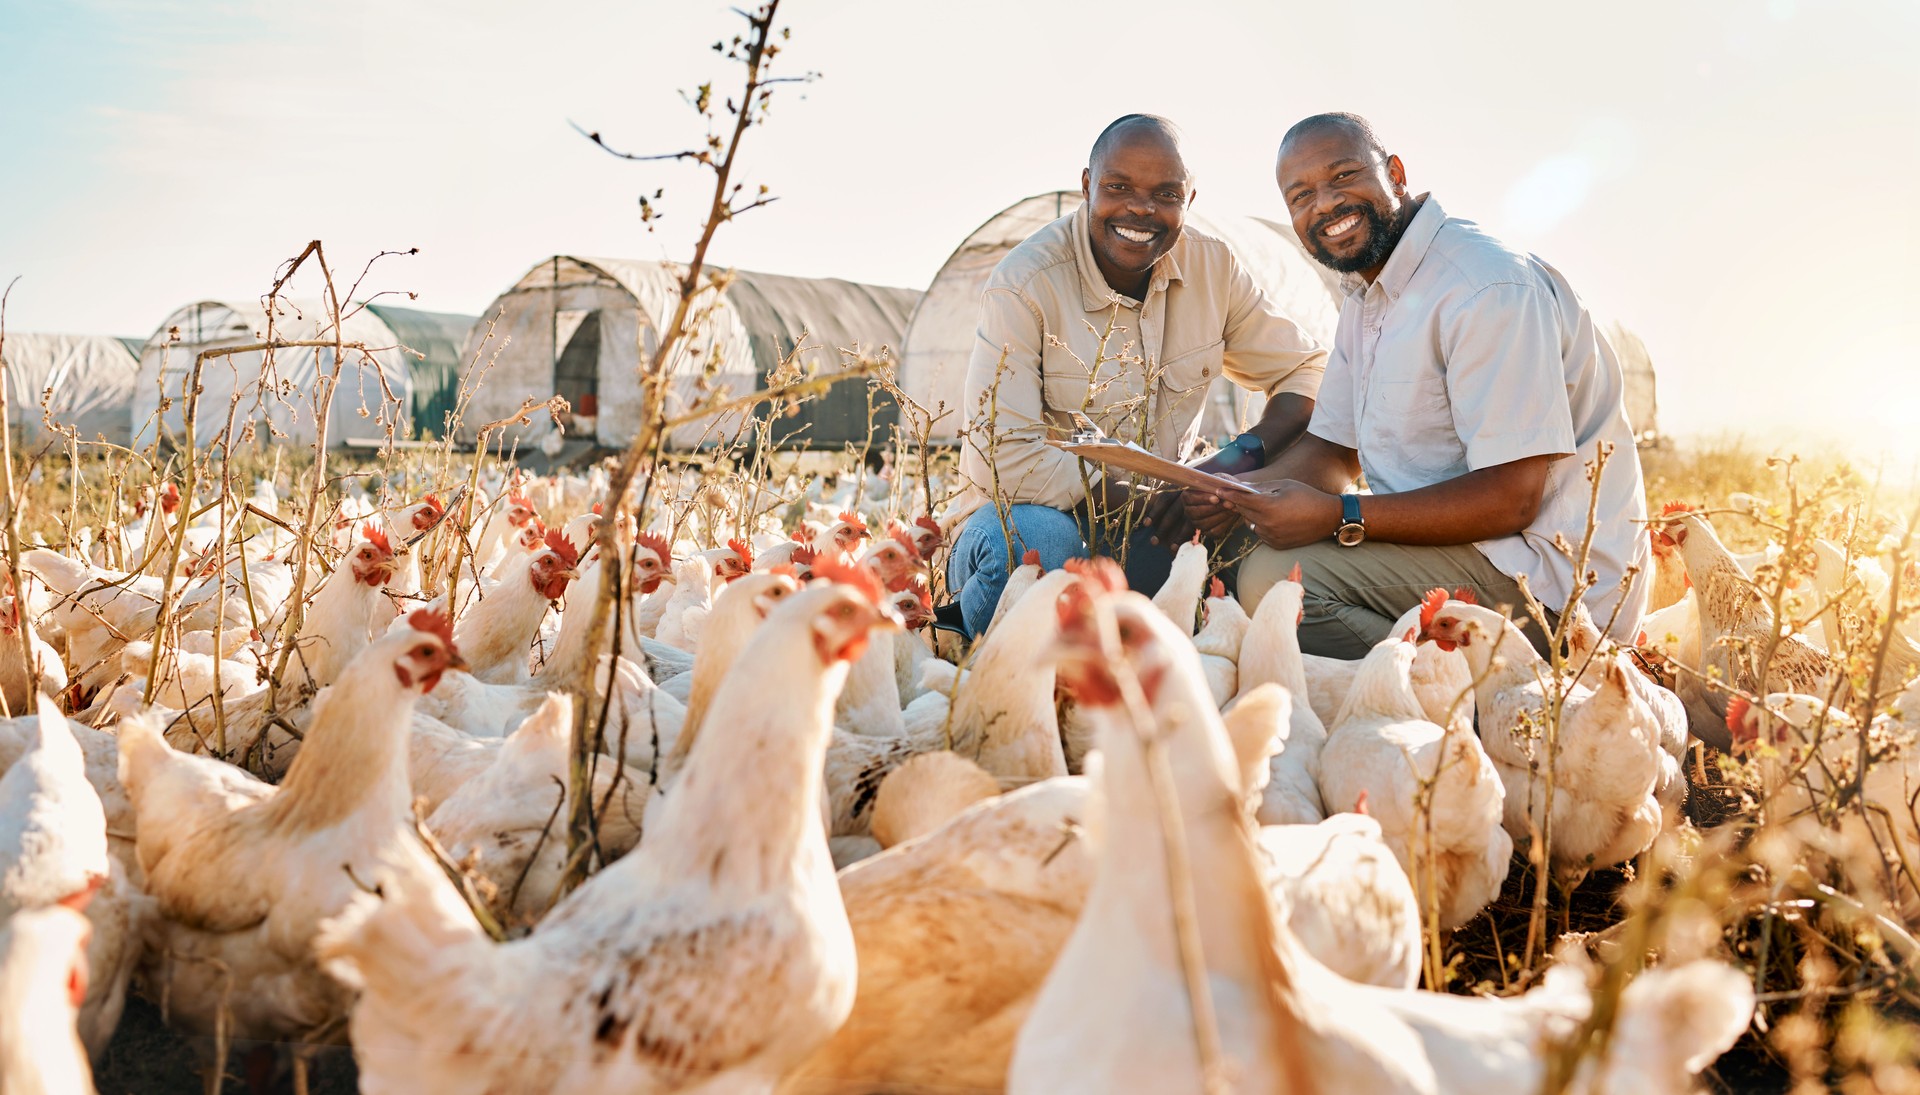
1350, 510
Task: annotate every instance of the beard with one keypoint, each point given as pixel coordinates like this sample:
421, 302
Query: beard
1382, 235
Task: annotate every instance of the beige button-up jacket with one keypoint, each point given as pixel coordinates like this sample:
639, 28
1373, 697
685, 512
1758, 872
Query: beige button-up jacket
1055, 340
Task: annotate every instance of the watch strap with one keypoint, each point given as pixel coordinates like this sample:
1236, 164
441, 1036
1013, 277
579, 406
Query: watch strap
1350, 510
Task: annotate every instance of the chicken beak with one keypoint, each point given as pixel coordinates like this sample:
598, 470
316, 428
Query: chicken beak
455, 661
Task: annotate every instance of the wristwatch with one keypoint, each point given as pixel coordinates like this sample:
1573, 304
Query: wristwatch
1353, 527
1250, 445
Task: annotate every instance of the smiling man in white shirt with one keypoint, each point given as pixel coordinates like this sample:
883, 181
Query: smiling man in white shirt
1473, 389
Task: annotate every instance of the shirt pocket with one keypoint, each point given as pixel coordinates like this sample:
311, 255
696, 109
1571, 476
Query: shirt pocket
1068, 387
1186, 380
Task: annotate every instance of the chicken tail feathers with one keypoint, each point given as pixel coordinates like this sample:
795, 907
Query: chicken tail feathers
391, 944
142, 749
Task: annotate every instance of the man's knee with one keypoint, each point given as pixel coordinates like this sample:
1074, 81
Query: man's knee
1051, 532
1265, 567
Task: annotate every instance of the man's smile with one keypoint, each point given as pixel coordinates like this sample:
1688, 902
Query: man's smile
1341, 227
1134, 235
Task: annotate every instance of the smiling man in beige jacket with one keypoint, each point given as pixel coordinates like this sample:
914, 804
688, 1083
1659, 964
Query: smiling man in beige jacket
1123, 313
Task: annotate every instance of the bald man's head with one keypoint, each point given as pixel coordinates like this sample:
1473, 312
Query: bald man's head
1127, 128
1353, 125
1137, 187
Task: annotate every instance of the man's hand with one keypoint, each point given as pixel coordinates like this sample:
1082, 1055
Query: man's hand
1287, 515
1171, 512
1167, 517
1205, 512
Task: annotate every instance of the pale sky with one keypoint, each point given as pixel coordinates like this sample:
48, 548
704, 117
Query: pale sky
1734, 179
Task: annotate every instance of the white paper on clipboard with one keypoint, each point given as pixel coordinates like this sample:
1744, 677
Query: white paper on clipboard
1138, 461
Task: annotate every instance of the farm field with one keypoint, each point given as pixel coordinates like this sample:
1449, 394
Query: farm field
569, 694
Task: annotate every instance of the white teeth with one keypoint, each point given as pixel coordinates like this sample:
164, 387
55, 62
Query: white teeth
1133, 234
1342, 226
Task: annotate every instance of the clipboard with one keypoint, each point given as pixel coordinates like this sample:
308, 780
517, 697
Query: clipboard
1138, 461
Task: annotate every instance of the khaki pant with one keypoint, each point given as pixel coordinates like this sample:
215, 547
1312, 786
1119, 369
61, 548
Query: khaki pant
1353, 595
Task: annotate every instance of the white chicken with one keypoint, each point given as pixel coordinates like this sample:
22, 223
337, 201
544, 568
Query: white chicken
244, 872
1603, 809
17, 681
1436, 794
54, 851
1218, 642
1737, 628
1271, 653
509, 822
43, 978
1112, 1014
501, 628
1115, 1013
1179, 595
716, 955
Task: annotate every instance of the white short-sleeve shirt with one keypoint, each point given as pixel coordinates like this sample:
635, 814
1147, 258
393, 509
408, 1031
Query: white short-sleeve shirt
1464, 354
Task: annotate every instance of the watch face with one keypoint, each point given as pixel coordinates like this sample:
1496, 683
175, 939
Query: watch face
1351, 535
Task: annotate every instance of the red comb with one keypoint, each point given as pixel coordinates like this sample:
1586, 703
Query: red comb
905, 539
1216, 588
1436, 600
558, 543
1294, 574
1737, 710
1412, 635
851, 518
1672, 508
1360, 803
598, 508
433, 621
803, 535
744, 550
433, 502
805, 557
927, 522
518, 500
376, 537
1031, 558
1466, 596
1100, 571
655, 543
846, 574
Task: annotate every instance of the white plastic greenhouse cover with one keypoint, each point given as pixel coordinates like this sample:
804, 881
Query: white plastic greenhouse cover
581, 327
92, 377
285, 407
1643, 407
940, 335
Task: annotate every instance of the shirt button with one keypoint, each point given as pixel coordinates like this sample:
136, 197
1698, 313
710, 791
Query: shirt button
1206, 370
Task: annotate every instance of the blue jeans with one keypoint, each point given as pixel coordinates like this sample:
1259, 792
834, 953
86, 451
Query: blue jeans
977, 567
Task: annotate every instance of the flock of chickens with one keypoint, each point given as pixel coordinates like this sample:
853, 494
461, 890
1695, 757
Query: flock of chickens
1130, 843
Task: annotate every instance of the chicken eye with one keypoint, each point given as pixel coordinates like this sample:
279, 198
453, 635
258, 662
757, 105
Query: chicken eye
423, 651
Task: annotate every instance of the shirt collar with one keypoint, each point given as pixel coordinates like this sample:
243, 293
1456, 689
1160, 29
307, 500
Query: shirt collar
1095, 294
1407, 254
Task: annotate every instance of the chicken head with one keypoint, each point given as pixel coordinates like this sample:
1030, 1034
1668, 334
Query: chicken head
842, 628
1098, 632
373, 561
554, 566
652, 560
431, 653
